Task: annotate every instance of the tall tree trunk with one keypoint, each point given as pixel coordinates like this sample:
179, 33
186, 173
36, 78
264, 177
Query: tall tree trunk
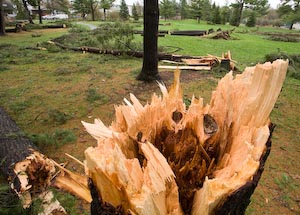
150, 60
93, 11
28, 12
2, 21
291, 26
240, 11
104, 13
40, 12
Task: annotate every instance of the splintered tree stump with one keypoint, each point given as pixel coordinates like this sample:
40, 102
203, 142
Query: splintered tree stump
27, 170
166, 158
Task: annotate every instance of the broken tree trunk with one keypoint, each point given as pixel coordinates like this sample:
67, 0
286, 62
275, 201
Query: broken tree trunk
165, 158
28, 171
211, 60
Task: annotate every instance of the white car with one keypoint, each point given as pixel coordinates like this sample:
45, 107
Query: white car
61, 16
56, 16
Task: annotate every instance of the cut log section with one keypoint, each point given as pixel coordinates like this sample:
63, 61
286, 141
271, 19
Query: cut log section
165, 158
201, 63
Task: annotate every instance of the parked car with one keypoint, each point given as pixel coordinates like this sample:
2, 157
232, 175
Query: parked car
56, 16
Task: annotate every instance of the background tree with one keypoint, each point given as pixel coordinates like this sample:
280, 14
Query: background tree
149, 70
20, 10
124, 12
167, 9
196, 9
260, 6
29, 17
216, 19
37, 3
2, 21
93, 7
271, 18
289, 10
251, 22
58, 5
176, 8
134, 13
139, 8
184, 9
225, 14
105, 5
201, 9
82, 7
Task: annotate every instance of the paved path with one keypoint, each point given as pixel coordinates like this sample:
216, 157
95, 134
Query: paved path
91, 26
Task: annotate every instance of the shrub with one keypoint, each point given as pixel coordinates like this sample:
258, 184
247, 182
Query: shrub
58, 138
93, 96
58, 117
294, 62
115, 36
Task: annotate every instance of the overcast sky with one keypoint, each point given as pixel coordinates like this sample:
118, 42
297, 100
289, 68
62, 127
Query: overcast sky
273, 3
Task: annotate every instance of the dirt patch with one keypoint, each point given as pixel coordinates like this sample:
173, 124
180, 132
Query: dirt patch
186, 76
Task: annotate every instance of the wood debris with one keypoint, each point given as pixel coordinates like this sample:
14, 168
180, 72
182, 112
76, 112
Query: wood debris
200, 63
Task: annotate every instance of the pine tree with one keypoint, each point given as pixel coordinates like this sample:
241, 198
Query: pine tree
82, 7
167, 9
124, 12
217, 16
105, 5
225, 15
251, 22
134, 12
183, 9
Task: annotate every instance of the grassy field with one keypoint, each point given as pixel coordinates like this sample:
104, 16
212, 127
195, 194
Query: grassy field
49, 92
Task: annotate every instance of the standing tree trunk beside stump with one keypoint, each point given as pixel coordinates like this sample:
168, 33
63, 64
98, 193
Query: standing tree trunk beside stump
150, 59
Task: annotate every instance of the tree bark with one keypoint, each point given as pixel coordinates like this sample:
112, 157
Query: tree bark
2, 21
93, 11
28, 171
104, 13
150, 59
240, 12
40, 12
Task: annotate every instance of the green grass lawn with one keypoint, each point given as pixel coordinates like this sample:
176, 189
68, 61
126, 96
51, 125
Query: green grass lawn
47, 92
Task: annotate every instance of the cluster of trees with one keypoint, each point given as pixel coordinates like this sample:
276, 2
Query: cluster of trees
247, 11
91, 7
210, 12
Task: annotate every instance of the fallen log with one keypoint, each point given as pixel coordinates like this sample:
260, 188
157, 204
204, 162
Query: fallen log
164, 158
27, 170
189, 33
55, 26
138, 54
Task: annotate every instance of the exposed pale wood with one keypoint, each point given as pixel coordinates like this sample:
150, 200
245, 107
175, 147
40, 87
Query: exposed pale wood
185, 67
137, 164
75, 159
172, 62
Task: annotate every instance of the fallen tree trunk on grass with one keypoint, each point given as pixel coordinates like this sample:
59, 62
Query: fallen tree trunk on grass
27, 170
189, 33
210, 60
164, 158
